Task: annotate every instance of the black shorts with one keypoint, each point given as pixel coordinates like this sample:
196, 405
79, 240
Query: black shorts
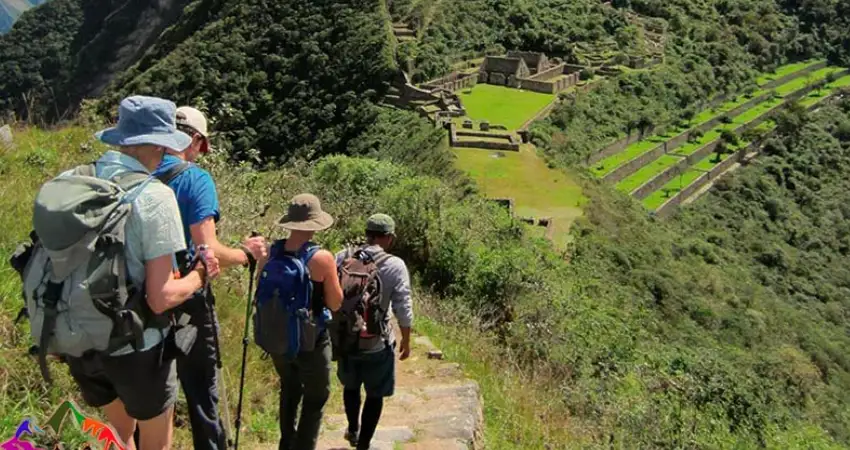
374, 371
146, 382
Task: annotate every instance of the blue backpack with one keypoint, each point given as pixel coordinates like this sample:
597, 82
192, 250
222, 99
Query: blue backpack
284, 322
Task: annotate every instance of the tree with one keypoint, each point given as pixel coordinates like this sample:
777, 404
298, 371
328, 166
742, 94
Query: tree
729, 137
790, 121
688, 115
719, 150
646, 123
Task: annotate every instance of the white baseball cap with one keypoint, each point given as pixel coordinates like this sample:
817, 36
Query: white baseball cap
194, 119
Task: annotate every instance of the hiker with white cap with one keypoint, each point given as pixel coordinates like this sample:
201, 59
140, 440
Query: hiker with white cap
117, 301
297, 288
199, 357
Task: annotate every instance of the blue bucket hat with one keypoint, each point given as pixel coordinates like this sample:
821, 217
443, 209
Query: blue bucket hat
146, 121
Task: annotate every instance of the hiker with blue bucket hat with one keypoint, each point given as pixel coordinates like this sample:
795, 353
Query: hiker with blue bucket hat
100, 279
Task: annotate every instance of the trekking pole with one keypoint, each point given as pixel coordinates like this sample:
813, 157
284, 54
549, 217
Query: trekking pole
252, 268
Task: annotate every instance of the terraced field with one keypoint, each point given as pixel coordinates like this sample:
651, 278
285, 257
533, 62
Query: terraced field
661, 166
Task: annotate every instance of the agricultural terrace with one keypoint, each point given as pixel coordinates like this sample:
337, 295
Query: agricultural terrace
656, 168
503, 105
608, 165
659, 197
785, 71
537, 190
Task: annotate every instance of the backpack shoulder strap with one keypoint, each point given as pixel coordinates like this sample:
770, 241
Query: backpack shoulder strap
381, 257
276, 248
308, 251
173, 171
86, 170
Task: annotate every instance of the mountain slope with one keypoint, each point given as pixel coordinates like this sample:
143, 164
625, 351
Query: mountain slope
10, 10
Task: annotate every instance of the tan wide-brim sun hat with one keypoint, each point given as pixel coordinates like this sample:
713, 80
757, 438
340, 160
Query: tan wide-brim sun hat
305, 214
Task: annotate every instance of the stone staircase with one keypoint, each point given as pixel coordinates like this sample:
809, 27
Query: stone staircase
434, 408
403, 32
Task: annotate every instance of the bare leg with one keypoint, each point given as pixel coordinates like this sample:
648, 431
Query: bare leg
157, 433
123, 424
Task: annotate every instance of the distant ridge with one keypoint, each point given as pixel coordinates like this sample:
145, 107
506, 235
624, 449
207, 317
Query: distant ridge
10, 10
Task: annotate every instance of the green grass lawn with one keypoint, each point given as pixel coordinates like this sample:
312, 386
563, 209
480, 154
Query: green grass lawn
801, 82
786, 70
607, 165
503, 105
817, 96
536, 189
647, 172
673, 187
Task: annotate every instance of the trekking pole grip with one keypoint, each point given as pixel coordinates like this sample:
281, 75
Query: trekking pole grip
253, 262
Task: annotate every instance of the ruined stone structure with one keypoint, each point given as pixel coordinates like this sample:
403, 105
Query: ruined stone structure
503, 71
454, 81
530, 71
536, 62
437, 103
480, 139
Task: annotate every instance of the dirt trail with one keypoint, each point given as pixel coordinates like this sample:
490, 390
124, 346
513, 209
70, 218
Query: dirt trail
434, 408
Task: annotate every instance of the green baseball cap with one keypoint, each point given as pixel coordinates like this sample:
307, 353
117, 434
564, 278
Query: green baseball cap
381, 223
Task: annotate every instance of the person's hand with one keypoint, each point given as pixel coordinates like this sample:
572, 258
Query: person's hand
404, 352
257, 247
213, 268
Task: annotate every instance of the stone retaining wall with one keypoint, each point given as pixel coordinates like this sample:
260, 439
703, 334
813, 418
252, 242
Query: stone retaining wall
511, 142
620, 145
452, 82
543, 113
633, 165
670, 205
549, 73
791, 76
719, 170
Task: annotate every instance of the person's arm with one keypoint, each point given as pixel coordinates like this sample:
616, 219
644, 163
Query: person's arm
323, 266
204, 232
165, 292
402, 303
161, 237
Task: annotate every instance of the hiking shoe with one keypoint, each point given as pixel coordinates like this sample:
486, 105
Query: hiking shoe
352, 437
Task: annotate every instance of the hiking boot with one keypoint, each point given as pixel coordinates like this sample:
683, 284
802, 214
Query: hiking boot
352, 437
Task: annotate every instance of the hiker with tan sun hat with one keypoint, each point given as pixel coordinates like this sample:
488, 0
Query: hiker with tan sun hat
298, 287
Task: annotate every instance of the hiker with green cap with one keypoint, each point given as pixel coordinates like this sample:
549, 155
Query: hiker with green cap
100, 281
297, 289
363, 339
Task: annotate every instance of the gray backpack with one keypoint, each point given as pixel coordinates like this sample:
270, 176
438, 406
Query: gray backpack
78, 296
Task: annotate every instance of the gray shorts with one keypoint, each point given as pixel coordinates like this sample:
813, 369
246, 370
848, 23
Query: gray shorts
145, 386
374, 371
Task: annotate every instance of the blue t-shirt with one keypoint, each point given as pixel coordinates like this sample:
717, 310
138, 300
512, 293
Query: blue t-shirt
195, 192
